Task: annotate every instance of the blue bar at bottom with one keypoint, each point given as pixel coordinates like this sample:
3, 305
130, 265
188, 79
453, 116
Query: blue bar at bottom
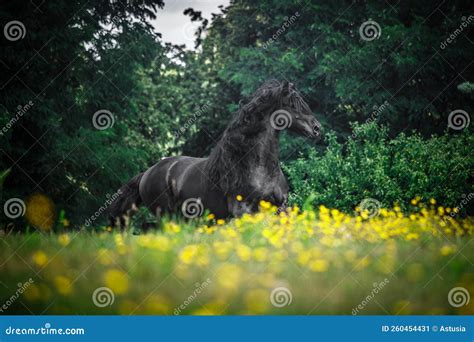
237, 328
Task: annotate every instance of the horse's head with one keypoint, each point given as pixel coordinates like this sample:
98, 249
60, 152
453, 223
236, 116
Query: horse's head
280, 105
293, 113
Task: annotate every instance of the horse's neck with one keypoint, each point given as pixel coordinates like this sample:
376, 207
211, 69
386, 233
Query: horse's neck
265, 153
237, 160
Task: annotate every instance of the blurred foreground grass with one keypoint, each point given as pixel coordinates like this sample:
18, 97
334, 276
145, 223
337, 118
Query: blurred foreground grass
302, 262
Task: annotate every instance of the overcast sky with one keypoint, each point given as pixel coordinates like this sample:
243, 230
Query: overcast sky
177, 28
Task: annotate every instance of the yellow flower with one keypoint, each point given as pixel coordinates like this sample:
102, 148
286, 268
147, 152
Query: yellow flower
257, 301
412, 236
104, 256
161, 243
40, 212
116, 280
63, 285
447, 250
171, 227
64, 239
222, 249
32, 293
204, 312
260, 254
303, 257
433, 201
239, 198
244, 252
229, 276
211, 216
40, 258
157, 305
188, 253
220, 221
318, 265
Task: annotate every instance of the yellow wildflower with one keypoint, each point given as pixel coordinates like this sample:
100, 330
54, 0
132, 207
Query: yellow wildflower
188, 253
40, 258
40, 212
257, 301
104, 256
318, 265
116, 280
63, 285
171, 228
229, 276
244, 252
64, 239
447, 250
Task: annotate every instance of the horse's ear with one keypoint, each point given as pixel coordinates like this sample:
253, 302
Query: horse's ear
286, 87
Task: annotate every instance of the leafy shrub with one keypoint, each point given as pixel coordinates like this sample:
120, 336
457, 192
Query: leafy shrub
370, 165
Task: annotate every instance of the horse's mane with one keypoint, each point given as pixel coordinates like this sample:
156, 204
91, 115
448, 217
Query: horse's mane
226, 167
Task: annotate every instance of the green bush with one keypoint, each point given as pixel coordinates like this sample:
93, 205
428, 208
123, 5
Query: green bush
370, 165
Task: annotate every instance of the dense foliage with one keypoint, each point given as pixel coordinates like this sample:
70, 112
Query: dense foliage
79, 57
370, 165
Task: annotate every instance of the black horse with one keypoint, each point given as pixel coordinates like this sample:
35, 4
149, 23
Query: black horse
243, 169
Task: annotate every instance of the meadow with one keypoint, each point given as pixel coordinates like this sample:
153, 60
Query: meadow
306, 261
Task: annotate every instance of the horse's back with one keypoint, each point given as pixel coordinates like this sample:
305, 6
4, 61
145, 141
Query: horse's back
162, 182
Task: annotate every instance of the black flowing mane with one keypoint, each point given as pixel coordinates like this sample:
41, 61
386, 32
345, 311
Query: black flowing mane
226, 166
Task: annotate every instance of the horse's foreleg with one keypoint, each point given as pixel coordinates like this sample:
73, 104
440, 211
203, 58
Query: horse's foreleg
238, 208
283, 206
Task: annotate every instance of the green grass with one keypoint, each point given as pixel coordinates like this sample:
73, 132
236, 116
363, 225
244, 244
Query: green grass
328, 263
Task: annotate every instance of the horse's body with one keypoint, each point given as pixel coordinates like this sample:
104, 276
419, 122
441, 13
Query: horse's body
241, 170
183, 179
